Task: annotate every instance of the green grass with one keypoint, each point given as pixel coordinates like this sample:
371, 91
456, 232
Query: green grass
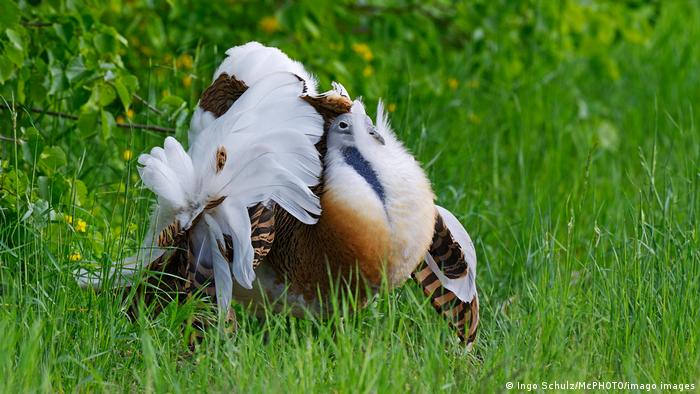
580, 189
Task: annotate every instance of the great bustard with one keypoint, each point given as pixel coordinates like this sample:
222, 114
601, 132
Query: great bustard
284, 190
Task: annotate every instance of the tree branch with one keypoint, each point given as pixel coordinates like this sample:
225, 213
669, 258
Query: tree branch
3, 138
64, 115
148, 105
37, 24
141, 100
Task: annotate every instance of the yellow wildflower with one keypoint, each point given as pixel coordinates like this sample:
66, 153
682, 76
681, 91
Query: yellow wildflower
75, 256
187, 81
453, 83
120, 119
185, 61
81, 226
68, 219
269, 24
391, 107
364, 51
474, 118
368, 71
127, 154
130, 113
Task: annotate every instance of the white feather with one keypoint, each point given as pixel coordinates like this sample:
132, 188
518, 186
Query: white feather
251, 63
268, 135
236, 218
201, 119
339, 89
222, 272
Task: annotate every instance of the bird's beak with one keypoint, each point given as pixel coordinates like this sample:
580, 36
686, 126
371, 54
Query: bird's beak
377, 136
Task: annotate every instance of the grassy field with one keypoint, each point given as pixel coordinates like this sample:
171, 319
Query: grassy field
570, 153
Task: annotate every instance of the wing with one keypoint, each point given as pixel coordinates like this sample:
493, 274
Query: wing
261, 150
251, 115
244, 66
448, 275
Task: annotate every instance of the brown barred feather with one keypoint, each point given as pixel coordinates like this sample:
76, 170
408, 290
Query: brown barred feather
449, 257
447, 304
211, 205
429, 280
221, 94
420, 275
474, 320
443, 299
262, 220
447, 253
170, 235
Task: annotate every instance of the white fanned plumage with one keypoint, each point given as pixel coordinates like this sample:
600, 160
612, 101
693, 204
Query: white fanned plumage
464, 287
250, 63
253, 61
268, 138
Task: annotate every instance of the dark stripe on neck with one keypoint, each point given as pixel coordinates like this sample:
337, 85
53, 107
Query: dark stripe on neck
355, 159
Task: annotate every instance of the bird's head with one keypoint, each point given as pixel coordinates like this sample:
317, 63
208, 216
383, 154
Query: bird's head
353, 130
356, 144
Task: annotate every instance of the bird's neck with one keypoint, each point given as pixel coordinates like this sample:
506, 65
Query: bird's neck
362, 167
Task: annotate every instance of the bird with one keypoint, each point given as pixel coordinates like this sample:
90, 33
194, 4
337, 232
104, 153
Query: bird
285, 192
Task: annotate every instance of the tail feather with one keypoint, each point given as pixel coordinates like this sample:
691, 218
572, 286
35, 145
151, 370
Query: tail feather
448, 276
462, 316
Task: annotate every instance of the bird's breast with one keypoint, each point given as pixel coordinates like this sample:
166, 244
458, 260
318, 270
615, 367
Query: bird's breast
354, 230
374, 230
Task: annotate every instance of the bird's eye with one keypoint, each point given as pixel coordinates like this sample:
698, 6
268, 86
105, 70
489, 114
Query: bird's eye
343, 125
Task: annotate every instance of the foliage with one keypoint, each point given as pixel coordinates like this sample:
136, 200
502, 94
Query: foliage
562, 132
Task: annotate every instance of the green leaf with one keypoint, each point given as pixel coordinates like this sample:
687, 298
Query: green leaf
58, 80
64, 31
15, 39
36, 89
51, 159
81, 192
105, 43
13, 186
102, 94
31, 145
76, 192
44, 187
108, 124
76, 69
131, 82
14, 54
172, 102
126, 87
6, 68
87, 123
9, 14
